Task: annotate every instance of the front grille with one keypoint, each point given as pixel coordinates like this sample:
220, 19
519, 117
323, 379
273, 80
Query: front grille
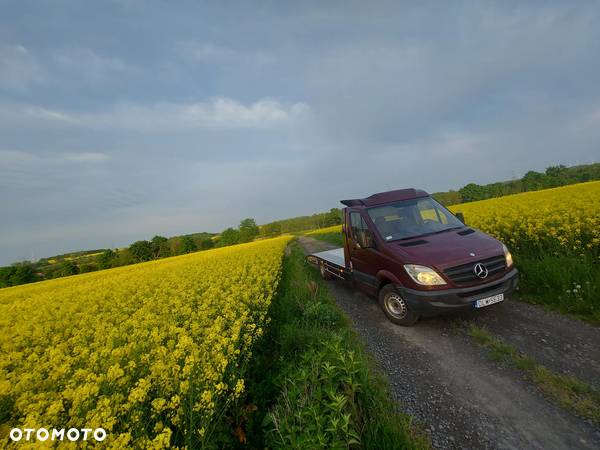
464, 273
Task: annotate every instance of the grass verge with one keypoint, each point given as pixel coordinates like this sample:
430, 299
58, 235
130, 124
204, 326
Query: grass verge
332, 234
334, 238
567, 284
564, 390
312, 384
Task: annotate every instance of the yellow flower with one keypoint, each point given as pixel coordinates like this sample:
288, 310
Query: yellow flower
168, 336
561, 219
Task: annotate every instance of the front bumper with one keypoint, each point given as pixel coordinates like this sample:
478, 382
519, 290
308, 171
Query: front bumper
429, 303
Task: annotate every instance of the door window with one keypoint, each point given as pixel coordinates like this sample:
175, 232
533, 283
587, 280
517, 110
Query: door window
358, 225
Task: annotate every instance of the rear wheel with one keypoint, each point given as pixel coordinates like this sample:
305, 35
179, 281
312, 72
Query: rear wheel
395, 307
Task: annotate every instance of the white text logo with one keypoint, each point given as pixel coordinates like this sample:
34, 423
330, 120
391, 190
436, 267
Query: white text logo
43, 434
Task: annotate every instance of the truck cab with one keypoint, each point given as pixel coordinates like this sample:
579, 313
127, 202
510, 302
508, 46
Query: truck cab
418, 258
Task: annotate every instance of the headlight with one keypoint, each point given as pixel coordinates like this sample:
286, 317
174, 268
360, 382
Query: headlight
424, 275
507, 256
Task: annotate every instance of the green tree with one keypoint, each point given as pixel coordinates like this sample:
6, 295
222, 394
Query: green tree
557, 176
472, 192
88, 267
188, 245
448, 198
160, 247
206, 244
248, 230
19, 273
230, 236
557, 171
124, 258
333, 217
106, 259
5, 273
65, 269
141, 251
532, 181
271, 229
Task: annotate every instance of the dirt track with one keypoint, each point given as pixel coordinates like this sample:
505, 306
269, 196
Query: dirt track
464, 400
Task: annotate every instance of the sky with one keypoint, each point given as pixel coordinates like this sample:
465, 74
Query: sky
120, 120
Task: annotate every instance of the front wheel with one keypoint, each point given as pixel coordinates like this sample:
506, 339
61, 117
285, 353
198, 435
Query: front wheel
395, 307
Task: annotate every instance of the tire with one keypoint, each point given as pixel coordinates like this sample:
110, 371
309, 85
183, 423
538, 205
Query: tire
324, 274
395, 308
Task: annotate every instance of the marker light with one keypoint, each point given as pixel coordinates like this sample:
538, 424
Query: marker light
507, 256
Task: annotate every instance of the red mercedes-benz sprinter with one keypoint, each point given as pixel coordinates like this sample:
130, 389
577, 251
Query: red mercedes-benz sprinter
417, 257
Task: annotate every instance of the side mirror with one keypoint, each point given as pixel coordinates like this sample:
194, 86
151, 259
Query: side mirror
460, 216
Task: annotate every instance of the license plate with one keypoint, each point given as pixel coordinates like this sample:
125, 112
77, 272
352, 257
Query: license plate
489, 301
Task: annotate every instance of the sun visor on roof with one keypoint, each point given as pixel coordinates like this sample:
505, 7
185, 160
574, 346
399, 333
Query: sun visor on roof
386, 197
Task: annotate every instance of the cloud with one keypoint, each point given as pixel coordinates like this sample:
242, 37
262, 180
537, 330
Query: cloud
12, 158
206, 52
18, 68
87, 66
64, 66
210, 53
218, 114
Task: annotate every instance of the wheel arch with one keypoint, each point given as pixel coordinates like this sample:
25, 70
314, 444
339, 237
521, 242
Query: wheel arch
385, 277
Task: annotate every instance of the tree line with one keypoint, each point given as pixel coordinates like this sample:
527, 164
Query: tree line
553, 176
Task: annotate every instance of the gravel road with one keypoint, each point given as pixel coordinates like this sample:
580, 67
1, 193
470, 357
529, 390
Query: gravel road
462, 398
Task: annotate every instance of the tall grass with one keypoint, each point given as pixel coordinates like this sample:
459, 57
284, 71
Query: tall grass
568, 284
312, 383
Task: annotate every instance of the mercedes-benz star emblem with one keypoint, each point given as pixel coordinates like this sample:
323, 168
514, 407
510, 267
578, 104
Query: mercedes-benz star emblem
480, 270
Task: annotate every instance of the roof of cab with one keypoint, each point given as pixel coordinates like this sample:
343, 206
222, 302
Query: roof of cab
386, 197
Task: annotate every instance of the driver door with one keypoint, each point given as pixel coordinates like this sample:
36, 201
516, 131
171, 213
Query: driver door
362, 258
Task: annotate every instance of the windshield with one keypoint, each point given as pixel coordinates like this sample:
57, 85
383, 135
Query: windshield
411, 218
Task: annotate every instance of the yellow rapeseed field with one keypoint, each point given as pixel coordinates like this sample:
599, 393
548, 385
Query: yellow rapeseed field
331, 229
151, 352
559, 220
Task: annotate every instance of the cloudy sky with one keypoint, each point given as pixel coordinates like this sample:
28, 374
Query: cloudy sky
124, 119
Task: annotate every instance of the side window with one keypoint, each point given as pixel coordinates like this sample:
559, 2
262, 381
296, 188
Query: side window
358, 225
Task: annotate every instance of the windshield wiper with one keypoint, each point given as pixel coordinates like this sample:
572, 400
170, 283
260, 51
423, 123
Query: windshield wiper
426, 234
442, 231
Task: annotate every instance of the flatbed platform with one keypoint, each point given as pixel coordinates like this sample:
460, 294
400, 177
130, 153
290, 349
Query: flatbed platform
330, 262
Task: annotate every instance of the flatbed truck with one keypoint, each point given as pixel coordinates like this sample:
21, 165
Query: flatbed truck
417, 257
